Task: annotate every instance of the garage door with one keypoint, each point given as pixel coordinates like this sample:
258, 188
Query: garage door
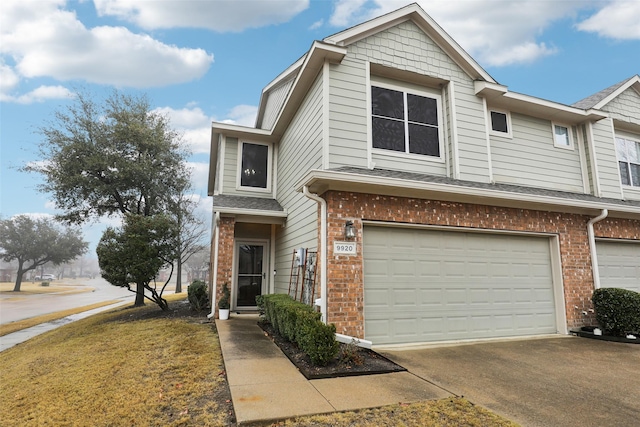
432, 285
619, 264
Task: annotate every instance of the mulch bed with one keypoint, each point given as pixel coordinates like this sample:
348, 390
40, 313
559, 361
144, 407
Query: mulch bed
367, 362
587, 332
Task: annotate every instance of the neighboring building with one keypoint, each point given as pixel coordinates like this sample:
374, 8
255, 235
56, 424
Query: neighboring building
478, 212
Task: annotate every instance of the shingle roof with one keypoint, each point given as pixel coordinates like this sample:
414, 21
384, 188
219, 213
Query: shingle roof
244, 202
507, 188
593, 100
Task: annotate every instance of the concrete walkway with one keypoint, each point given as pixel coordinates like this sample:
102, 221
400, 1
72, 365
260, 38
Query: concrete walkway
265, 385
23, 335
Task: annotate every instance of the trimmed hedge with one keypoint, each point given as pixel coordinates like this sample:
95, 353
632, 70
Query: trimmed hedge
300, 324
617, 310
197, 293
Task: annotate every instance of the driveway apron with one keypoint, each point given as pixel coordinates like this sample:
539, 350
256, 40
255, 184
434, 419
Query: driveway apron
564, 381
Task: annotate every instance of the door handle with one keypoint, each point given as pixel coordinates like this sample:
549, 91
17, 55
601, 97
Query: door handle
264, 275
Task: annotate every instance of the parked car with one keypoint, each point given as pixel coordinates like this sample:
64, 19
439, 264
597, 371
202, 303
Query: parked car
46, 277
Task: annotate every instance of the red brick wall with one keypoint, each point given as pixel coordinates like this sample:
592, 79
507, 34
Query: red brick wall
225, 256
345, 273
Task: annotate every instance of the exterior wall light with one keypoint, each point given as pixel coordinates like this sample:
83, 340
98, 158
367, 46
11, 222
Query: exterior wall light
349, 230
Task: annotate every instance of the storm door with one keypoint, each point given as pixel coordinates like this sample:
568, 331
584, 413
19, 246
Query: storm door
250, 273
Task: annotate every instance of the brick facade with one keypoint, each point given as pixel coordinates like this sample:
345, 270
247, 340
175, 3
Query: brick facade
226, 229
345, 276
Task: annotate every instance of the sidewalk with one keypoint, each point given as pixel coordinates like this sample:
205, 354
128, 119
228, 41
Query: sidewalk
265, 385
23, 335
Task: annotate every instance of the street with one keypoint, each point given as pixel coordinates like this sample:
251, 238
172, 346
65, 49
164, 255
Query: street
18, 306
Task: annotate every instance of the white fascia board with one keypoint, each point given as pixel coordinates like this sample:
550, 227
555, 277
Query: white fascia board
500, 97
251, 212
375, 182
242, 132
415, 13
286, 74
213, 162
635, 80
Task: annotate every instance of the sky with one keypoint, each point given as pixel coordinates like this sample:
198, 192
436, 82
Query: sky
200, 61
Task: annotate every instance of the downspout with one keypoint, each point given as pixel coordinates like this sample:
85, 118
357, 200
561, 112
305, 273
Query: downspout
323, 246
214, 274
592, 247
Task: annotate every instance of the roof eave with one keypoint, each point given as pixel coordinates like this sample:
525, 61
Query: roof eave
320, 181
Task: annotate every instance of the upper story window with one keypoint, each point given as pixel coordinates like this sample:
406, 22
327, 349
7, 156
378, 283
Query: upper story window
405, 122
500, 123
254, 166
562, 137
628, 153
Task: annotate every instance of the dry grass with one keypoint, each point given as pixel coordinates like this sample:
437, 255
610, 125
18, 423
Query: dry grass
450, 412
132, 367
33, 321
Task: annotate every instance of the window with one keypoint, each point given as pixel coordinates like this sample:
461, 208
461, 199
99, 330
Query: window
405, 122
562, 137
254, 166
628, 153
500, 123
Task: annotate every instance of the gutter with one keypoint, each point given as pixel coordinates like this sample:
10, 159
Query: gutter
592, 247
323, 252
214, 275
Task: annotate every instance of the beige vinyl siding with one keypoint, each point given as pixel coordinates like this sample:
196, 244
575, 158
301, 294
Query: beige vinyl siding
608, 171
625, 107
530, 158
404, 47
348, 114
300, 230
472, 141
275, 100
582, 130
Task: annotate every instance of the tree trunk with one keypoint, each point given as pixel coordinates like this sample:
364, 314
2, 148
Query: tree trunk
19, 275
179, 276
139, 294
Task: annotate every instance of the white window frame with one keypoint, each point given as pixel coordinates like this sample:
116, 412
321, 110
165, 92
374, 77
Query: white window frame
626, 161
413, 91
239, 185
571, 145
509, 132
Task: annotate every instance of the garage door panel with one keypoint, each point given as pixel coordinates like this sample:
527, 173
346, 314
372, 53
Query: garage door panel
455, 285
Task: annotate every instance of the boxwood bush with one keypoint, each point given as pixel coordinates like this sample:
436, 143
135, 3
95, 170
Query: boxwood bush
197, 293
300, 324
617, 310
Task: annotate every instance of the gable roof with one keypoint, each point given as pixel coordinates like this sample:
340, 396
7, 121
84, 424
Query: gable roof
602, 98
418, 16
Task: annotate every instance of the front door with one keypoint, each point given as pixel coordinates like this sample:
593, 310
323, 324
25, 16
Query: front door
250, 273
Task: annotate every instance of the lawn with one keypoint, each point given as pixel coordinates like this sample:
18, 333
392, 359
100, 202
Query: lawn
145, 367
54, 286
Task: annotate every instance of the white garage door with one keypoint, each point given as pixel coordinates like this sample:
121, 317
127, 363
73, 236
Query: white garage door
432, 285
619, 264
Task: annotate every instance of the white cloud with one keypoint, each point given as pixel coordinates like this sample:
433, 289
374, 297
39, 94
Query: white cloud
199, 175
40, 94
617, 20
43, 39
193, 123
495, 32
243, 115
225, 15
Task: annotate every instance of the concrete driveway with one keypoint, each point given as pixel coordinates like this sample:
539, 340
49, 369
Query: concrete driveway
564, 381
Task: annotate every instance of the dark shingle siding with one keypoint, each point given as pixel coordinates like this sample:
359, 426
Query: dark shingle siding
244, 202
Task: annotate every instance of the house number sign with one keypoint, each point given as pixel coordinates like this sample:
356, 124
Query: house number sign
344, 248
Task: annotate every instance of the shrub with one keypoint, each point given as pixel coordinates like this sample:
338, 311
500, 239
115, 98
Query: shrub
617, 310
225, 300
44, 284
300, 324
197, 293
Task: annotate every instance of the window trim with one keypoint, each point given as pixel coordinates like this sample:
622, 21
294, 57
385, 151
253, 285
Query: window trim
239, 185
509, 132
628, 162
411, 90
571, 145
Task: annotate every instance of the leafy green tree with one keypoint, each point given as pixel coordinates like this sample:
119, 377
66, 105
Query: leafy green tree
136, 252
115, 157
33, 242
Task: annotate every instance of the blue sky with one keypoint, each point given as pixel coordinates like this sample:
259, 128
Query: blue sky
201, 61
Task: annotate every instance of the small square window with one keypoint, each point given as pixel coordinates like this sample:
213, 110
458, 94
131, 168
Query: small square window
500, 123
562, 137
